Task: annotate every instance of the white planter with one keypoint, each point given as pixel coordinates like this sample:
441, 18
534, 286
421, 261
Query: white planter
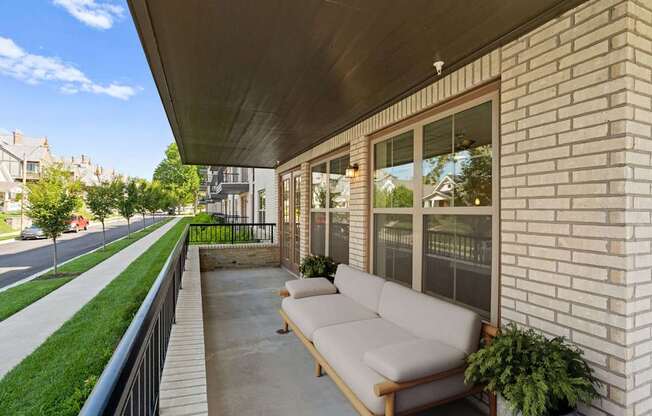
503, 409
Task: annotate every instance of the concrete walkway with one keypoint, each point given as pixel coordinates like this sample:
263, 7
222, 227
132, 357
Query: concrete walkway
23, 332
183, 385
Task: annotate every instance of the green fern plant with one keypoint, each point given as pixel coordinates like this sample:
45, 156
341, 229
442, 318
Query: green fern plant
317, 266
536, 375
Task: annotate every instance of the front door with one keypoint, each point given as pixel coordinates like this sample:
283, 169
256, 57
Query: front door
291, 220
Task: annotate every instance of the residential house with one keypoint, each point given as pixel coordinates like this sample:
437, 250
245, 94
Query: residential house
544, 106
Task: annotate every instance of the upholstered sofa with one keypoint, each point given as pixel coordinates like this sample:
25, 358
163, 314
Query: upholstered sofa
389, 349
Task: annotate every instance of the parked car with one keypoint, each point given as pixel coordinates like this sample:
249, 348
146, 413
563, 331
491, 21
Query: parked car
32, 233
77, 222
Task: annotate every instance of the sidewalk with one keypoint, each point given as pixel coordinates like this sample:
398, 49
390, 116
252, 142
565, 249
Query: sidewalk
23, 332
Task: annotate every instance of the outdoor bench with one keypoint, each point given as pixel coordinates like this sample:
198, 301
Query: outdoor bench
389, 349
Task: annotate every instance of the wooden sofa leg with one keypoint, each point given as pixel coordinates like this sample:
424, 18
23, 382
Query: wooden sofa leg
318, 372
389, 404
285, 329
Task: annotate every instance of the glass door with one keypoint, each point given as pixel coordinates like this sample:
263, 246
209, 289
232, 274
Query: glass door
291, 220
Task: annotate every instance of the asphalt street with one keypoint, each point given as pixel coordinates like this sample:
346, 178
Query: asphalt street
20, 259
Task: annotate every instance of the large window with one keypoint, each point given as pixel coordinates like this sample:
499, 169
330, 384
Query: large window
329, 216
434, 221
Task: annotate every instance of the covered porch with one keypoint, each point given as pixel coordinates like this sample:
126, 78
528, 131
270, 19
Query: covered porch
252, 370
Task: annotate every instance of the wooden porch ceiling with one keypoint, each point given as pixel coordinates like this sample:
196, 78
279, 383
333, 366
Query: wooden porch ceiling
253, 83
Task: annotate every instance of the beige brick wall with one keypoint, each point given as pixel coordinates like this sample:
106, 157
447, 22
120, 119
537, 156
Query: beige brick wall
229, 256
574, 190
575, 185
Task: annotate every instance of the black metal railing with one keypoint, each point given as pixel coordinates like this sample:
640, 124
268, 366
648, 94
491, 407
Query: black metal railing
230, 219
130, 383
231, 233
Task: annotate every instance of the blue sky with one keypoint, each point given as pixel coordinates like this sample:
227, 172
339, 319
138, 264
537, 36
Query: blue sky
74, 71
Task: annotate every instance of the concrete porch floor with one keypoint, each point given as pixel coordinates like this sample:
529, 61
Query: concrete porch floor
251, 370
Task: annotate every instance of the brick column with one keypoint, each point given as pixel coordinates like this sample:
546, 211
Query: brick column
304, 227
359, 205
575, 191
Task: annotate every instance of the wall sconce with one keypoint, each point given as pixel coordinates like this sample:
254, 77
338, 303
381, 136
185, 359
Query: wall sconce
351, 171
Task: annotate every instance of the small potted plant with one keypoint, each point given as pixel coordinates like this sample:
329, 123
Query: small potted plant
318, 266
535, 375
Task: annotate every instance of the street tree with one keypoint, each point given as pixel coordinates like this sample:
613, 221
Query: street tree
142, 186
101, 201
126, 200
154, 198
51, 202
181, 181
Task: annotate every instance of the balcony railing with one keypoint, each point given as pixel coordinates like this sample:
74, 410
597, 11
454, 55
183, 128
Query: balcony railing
130, 383
232, 233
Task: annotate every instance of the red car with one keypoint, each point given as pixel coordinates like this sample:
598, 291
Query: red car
76, 223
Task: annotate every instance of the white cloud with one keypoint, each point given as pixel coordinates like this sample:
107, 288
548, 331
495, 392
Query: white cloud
96, 14
34, 69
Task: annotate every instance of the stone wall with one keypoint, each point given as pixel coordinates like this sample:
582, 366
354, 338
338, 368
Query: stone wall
225, 256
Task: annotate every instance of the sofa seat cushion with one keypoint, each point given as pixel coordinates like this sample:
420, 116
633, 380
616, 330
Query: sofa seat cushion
315, 312
303, 288
343, 346
412, 360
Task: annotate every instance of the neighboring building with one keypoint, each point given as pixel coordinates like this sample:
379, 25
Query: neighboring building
87, 172
240, 194
544, 106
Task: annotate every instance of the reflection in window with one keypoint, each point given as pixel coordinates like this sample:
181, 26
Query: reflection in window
297, 219
393, 247
319, 185
338, 238
457, 159
340, 187
457, 259
393, 172
318, 233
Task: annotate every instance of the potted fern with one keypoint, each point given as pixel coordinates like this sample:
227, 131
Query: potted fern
318, 266
535, 375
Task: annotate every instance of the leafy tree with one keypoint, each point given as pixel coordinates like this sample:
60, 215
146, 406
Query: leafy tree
127, 200
101, 201
51, 202
181, 181
474, 180
154, 198
141, 198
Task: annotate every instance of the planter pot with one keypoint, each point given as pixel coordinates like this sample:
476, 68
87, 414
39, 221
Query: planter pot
503, 409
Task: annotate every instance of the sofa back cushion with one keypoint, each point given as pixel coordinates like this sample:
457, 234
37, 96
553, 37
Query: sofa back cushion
362, 287
430, 318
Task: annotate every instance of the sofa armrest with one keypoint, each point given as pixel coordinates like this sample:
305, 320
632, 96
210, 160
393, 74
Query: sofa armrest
303, 288
414, 360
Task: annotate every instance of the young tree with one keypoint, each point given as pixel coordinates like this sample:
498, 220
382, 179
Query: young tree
181, 181
51, 202
154, 198
101, 201
126, 200
141, 198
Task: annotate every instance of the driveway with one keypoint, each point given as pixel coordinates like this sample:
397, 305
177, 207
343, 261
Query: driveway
20, 259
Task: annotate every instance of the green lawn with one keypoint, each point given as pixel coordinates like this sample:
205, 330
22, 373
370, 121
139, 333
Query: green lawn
57, 378
14, 299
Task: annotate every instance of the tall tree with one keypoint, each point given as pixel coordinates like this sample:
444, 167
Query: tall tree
155, 198
101, 201
181, 181
51, 202
126, 200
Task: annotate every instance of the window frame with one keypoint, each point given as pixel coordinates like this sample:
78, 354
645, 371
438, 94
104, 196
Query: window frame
418, 211
262, 198
327, 210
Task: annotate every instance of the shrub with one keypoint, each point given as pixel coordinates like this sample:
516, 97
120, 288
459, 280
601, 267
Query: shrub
536, 375
317, 266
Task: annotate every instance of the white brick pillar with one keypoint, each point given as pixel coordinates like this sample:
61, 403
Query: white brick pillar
576, 191
359, 205
304, 226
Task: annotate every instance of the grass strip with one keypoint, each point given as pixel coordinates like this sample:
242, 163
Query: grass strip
19, 297
57, 378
